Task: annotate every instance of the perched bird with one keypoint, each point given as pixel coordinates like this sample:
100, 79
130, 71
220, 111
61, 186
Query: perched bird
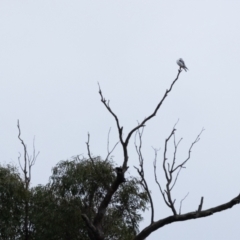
181, 64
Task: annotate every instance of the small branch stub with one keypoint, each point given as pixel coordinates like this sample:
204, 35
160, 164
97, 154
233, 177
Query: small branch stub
200, 205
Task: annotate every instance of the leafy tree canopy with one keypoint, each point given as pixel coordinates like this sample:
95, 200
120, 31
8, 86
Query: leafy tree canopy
76, 187
12, 195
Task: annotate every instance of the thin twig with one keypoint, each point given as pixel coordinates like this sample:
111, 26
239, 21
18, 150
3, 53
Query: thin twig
106, 104
180, 208
88, 149
111, 151
175, 179
189, 151
155, 174
141, 171
175, 150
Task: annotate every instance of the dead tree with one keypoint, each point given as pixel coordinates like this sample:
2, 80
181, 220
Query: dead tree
26, 167
171, 172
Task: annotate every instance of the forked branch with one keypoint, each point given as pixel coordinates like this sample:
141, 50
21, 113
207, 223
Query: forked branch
170, 169
155, 175
107, 105
109, 152
141, 170
28, 161
184, 217
155, 111
180, 208
142, 124
120, 177
189, 151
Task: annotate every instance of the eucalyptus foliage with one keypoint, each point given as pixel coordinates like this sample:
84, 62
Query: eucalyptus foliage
12, 195
79, 186
76, 187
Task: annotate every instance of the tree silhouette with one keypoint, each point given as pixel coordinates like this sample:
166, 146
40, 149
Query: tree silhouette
171, 172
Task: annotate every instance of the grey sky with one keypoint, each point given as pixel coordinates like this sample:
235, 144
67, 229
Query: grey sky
53, 53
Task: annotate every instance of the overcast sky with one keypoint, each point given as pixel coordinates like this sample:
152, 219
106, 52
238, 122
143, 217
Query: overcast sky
53, 53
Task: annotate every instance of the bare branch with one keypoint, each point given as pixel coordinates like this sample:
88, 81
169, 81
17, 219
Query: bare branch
120, 175
88, 149
169, 170
181, 203
189, 151
168, 175
155, 174
200, 205
165, 154
154, 112
184, 217
141, 171
175, 179
25, 152
175, 149
29, 161
34, 158
19, 157
106, 104
110, 151
120, 129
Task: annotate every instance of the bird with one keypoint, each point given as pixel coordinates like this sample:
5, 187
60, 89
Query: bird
181, 64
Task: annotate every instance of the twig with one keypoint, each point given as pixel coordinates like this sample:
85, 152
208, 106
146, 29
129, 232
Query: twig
168, 175
165, 154
175, 179
189, 151
155, 174
88, 149
106, 104
200, 205
141, 171
181, 203
110, 152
